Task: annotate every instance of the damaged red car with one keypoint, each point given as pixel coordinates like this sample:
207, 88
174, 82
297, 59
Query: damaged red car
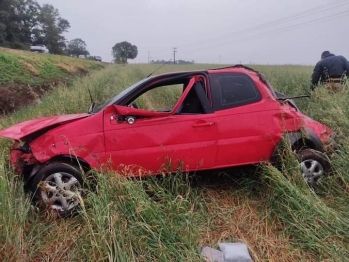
203, 120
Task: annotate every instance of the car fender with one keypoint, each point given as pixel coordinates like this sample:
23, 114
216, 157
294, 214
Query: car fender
77, 161
305, 137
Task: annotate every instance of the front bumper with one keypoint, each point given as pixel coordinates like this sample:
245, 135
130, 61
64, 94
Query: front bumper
21, 161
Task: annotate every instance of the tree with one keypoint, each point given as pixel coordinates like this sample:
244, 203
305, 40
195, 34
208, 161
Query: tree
6, 10
51, 29
77, 47
17, 19
123, 51
24, 22
28, 12
9, 27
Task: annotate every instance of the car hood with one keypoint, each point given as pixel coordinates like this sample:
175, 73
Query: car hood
29, 127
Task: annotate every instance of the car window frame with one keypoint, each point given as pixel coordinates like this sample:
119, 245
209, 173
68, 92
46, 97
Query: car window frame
192, 84
216, 92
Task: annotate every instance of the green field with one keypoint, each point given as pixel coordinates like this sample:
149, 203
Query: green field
172, 218
26, 76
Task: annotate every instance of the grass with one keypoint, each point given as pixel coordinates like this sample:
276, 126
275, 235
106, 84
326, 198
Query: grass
172, 218
35, 69
26, 76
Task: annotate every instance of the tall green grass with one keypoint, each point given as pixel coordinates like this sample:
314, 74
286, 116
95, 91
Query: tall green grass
171, 218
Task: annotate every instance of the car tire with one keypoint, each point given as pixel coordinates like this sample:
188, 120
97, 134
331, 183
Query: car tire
314, 166
57, 188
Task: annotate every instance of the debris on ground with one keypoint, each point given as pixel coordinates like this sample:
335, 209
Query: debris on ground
230, 252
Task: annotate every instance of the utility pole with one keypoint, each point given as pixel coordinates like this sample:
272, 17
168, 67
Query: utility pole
148, 57
174, 55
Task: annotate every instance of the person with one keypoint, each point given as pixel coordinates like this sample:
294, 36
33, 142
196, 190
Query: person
330, 71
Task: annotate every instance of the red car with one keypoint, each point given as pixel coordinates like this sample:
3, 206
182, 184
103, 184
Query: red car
202, 120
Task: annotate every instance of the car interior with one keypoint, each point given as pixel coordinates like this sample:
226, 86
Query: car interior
191, 104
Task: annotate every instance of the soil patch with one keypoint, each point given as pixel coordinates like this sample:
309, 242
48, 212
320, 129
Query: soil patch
17, 95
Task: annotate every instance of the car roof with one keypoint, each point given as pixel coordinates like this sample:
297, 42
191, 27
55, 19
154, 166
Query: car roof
234, 68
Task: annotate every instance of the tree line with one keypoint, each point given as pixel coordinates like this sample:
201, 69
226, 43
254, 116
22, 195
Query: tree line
25, 22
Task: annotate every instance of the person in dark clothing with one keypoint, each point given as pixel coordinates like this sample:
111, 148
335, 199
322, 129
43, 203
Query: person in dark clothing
330, 71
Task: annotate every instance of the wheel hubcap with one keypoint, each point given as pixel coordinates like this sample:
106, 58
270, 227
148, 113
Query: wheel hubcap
60, 191
312, 171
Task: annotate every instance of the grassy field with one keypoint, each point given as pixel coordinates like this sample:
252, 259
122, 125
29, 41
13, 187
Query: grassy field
25, 76
172, 218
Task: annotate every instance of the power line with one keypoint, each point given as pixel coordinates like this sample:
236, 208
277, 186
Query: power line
294, 17
280, 30
273, 23
311, 11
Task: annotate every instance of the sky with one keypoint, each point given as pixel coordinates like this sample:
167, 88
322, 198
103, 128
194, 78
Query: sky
211, 31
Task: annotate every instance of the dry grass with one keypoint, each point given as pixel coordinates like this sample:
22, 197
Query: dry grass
60, 247
25, 76
236, 217
30, 68
20, 66
67, 68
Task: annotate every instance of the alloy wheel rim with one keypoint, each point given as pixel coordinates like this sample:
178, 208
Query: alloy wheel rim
312, 171
60, 191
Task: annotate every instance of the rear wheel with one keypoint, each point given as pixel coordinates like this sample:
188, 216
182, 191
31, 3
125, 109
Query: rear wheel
314, 166
57, 187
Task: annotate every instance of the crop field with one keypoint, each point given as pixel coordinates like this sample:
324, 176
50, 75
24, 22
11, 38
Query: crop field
171, 218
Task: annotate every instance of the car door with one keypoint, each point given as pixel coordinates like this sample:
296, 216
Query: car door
247, 128
162, 141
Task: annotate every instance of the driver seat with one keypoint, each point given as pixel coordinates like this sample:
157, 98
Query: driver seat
191, 104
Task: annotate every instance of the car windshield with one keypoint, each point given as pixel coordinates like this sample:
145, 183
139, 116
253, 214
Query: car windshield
118, 97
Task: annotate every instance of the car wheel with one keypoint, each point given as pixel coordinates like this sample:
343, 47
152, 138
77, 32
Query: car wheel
57, 188
314, 166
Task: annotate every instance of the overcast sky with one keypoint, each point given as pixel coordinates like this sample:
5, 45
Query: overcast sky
212, 31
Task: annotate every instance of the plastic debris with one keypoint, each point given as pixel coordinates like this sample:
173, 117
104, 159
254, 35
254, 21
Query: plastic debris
235, 252
212, 255
230, 252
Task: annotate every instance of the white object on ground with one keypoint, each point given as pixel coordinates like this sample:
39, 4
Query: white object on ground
235, 252
212, 255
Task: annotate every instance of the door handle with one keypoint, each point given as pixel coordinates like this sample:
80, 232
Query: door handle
204, 124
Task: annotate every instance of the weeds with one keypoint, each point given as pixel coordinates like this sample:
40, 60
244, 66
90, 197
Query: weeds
26, 76
170, 218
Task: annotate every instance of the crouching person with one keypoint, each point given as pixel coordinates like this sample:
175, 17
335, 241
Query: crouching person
330, 71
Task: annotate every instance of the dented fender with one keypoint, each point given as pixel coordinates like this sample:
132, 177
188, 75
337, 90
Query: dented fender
293, 137
89, 148
81, 139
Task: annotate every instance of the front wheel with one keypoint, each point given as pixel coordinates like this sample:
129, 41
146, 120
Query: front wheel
314, 166
57, 187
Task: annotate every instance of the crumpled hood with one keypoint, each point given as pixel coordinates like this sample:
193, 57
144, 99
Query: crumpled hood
26, 128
